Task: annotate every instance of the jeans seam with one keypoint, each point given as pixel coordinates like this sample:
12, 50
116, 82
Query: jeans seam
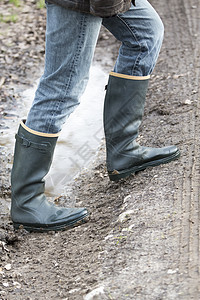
73, 65
135, 66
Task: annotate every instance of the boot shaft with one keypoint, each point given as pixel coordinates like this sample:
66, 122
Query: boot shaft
124, 103
32, 153
32, 160
123, 112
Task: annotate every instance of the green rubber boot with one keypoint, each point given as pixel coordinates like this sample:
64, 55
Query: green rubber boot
29, 207
123, 112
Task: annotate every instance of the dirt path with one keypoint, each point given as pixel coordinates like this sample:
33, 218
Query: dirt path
142, 241
186, 227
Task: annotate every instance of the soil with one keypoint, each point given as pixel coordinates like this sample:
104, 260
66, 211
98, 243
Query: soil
142, 239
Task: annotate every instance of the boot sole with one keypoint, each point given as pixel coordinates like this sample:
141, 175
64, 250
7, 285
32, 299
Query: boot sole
45, 228
124, 173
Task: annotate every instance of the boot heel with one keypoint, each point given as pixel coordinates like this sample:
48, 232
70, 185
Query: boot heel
117, 177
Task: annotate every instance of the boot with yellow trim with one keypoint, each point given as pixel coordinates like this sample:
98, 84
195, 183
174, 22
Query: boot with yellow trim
123, 112
29, 207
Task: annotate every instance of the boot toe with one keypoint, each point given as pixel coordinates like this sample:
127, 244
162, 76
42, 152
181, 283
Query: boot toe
169, 151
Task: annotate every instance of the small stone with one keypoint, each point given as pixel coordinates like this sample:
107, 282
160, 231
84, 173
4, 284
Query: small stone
3, 245
99, 291
125, 215
110, 236
74, 291
6, 284
188, 102
17, 284
127, 198
176, 76
131, 227
194, 92
7, 267
172, 271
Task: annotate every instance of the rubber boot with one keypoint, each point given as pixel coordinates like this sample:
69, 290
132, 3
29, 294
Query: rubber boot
123, 112
29, 207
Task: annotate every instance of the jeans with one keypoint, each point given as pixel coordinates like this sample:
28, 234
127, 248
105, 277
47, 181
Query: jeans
70, 43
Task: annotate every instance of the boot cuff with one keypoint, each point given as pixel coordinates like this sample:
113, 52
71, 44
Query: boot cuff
42, 134
129, 76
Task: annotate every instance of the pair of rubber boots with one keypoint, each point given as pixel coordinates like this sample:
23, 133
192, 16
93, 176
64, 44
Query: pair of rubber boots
123, 112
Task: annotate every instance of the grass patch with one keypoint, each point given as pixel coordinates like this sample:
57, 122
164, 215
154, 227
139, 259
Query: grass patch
8, 19
16, 3
40, 4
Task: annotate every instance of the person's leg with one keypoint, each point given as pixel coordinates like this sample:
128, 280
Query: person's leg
141, 32
70, 43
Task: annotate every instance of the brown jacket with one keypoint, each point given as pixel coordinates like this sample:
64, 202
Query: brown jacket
101, 8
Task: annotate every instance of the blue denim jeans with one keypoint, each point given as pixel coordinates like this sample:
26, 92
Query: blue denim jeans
70, 43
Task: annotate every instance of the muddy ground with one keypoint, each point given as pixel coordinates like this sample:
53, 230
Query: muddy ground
142, 241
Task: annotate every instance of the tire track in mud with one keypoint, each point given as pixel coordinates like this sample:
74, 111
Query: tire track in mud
190, 189
187, 202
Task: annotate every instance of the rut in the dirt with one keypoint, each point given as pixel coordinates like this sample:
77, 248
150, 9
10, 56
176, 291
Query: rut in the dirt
188, 224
